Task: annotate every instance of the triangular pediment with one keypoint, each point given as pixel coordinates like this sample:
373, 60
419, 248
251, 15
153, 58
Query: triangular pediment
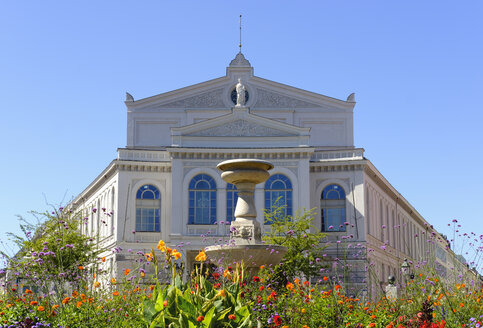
241, 127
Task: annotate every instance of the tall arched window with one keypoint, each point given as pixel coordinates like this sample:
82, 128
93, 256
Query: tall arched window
148, 207
333, 208
202, 200
231, 198
278, 193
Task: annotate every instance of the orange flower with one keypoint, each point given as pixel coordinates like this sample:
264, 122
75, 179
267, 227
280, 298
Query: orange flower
66, 300
55, 306
232, 317
116, 293
151, 287
97, 284
165, 303
143, 274
149, 256
337, 287
126, 271
34, 303
373, 316
221, 293
78, 305
113, 281
40, 308
81, 267
83, 296
372, 324
325, 278
303, 311
176, 254
28, 291
75, 294
290, 286
103, 259
200, 318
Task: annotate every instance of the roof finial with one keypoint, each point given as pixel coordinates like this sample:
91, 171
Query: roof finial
240, 45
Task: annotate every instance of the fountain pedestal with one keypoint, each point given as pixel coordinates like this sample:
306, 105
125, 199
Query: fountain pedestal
245, 231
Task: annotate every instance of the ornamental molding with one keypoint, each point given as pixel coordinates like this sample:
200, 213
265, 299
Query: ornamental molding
241, 128
278, 158
144, 167
211, 99
270, 99
336, 168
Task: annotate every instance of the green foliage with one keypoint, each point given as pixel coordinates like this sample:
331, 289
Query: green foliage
54, 252
196, 305
304, 246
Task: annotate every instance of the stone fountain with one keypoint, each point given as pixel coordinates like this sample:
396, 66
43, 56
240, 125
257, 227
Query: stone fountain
245, 232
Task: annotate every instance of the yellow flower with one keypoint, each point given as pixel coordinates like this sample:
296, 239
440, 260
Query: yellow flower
303, 310
161, 246
149, 256
201, 257
113, 281
97, 284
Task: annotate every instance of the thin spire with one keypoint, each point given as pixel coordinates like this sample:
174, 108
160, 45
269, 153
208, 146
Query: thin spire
240, 45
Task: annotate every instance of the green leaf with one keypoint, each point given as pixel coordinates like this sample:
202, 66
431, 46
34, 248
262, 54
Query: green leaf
223, 313
209, 322
159, 302
178, 283
186, 306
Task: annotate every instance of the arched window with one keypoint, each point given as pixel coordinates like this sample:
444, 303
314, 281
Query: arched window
231, 198
148, 207
202, 200
278, 193
333, 208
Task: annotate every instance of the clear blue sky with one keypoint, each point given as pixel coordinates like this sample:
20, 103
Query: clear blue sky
416, 68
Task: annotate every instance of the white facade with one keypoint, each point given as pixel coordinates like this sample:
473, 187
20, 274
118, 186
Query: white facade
175, 136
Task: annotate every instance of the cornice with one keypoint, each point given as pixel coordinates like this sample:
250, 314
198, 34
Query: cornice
137, 166
231, 153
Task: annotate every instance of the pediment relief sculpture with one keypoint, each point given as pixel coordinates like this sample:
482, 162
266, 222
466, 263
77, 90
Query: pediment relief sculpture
211, 99
270, 99
240, 128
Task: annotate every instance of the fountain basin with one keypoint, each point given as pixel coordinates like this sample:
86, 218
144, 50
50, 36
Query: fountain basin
253, 256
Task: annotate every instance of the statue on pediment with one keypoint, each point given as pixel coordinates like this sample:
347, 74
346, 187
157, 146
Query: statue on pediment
240, 94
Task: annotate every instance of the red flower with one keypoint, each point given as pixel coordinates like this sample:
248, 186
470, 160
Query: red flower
277, 320
216, 275
232, 317
256, 279
200, 318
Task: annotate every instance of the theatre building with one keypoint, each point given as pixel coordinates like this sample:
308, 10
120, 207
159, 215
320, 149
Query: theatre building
164, 183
